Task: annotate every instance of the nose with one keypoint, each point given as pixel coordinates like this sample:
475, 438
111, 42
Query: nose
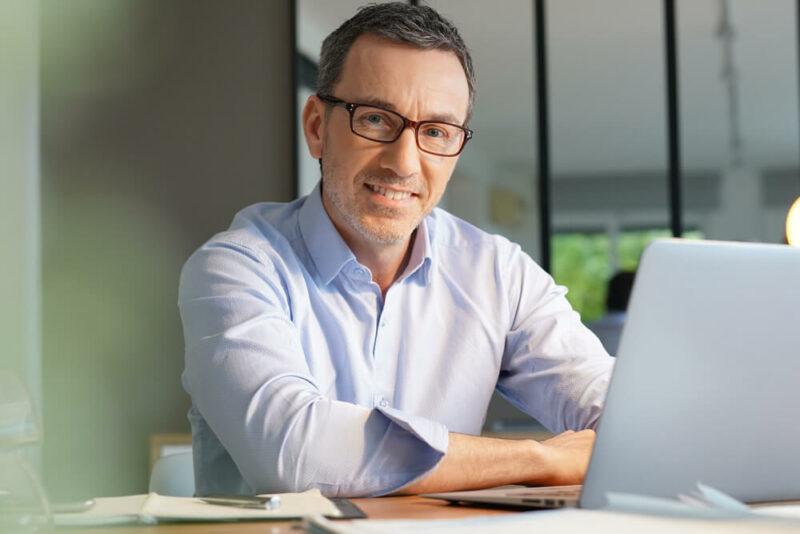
402, 157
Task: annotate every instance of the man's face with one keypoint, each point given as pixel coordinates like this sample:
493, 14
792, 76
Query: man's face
379, 193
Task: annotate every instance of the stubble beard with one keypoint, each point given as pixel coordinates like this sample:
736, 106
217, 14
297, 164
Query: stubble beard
378, 224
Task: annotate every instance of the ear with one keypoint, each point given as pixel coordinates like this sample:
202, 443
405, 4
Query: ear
313, 125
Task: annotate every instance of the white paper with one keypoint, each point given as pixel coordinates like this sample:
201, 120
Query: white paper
657, 506
558, 522
780, 510
190, 509
153, 507
105, 511
704, 503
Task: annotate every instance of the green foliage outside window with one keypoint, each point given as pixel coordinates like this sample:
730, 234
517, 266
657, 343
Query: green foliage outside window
632, 244
582, 263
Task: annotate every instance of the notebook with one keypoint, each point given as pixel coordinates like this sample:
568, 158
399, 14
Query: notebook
152, 508
706, 387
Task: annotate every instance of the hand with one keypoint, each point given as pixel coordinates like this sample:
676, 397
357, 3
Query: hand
474, 462
565, 457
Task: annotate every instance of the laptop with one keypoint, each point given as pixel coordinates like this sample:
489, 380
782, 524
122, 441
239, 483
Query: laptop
706, 387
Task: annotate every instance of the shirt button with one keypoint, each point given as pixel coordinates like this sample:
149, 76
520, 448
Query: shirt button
383, 403
383, 324
360, 273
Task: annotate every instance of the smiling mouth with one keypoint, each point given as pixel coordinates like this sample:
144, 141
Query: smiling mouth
388, 193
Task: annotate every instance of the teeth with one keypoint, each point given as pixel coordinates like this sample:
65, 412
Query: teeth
393, 195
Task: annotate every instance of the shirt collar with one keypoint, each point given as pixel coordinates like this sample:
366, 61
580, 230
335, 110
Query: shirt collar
329, 251
420, 258
326, 247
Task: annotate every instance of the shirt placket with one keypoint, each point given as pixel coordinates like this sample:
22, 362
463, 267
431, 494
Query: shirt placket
385, 351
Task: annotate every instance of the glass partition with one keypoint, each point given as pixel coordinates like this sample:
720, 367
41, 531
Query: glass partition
609, 185
739, 115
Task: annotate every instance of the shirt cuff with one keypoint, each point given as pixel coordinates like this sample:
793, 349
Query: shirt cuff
433, 433
429, 438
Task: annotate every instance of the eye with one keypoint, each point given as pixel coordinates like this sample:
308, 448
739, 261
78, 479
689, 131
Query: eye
374, 119
435, 132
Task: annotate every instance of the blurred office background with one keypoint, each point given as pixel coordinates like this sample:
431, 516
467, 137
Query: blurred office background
133, 130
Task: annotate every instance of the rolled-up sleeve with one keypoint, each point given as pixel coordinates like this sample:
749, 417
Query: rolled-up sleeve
249, 379
554, 368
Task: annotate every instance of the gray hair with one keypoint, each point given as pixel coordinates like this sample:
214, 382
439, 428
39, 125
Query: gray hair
420, 26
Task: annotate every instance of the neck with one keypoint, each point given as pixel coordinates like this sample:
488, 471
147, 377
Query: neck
386, 262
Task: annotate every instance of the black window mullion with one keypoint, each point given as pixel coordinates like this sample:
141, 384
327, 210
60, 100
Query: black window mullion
543, 131
673, 123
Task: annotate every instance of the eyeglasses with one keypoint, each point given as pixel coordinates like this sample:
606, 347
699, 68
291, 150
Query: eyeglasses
386, 126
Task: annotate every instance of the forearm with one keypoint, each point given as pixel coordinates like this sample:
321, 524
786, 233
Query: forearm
474, 462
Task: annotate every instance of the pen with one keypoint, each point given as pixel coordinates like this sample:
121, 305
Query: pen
266, 502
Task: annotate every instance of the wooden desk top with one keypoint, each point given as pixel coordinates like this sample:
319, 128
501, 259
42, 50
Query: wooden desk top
380, 508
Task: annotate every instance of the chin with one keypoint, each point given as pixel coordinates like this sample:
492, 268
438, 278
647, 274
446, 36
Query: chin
384, 237
386, 234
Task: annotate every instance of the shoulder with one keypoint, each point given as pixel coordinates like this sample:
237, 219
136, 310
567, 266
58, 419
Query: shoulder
488, 264
260, 240
487, 270
454, 240
263, 227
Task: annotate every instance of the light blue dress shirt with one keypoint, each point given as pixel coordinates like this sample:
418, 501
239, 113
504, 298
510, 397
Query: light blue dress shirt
302, 375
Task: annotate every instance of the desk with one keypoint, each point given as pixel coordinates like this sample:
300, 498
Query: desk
379, 508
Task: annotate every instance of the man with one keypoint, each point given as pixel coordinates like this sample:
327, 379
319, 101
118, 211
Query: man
351, 340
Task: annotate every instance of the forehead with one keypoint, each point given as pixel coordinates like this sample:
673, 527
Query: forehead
415, 82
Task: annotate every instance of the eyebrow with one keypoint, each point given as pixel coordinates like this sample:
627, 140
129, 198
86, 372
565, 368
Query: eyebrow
441, 117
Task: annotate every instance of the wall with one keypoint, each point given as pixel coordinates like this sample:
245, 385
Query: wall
159, 121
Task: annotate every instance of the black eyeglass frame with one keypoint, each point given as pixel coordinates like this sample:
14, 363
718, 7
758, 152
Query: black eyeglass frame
352, 106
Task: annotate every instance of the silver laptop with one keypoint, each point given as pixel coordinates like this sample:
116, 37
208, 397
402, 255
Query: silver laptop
706, 387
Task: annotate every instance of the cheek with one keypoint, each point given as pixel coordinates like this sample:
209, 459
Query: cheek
439, 172
346, 157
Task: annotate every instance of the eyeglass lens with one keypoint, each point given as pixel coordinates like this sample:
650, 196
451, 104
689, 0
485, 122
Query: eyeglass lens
382, 125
